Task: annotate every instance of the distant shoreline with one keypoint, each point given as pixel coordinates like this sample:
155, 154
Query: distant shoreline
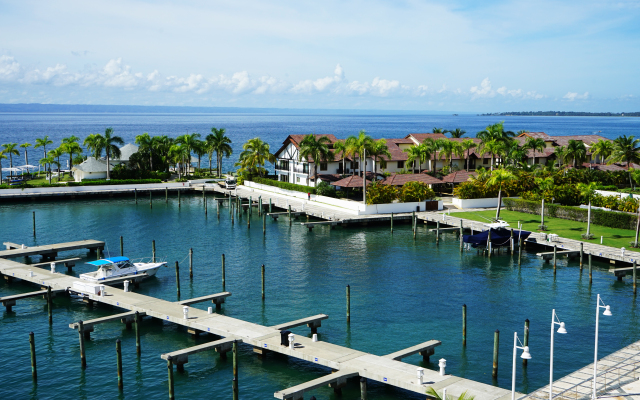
560, 114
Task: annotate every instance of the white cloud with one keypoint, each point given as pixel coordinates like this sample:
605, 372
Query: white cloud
9, 68
319, 85
484, 90
571, 96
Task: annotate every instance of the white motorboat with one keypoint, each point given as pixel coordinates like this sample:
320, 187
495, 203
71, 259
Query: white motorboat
230, 183
119, 267
498, 224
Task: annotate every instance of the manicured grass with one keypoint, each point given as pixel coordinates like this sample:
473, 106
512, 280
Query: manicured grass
562, 227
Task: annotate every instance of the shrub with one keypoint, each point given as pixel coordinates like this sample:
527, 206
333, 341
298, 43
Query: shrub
324, 189
378, 193
416, 191
285, 185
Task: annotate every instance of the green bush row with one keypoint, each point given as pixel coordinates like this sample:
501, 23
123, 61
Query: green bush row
609, 219
284, 185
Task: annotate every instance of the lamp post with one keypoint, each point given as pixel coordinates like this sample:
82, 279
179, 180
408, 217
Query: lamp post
525, 355
561, 330
607, 312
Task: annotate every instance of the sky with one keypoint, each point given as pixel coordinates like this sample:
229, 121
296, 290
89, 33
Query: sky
449, 56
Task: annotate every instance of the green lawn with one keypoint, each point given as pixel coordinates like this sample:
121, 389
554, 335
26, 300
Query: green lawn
562, 227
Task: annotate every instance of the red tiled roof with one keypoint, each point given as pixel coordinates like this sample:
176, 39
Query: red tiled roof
459, 176
352, 181
535, 135
401, 179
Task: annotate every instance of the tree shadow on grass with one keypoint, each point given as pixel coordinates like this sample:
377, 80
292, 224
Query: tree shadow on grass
622, 237
576, 229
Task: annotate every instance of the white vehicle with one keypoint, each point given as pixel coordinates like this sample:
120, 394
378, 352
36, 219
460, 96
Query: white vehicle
118, 267
498, 224
230, 183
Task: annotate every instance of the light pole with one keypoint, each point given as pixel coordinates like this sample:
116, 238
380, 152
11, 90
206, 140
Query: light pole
525, 355
562, 330
607, 312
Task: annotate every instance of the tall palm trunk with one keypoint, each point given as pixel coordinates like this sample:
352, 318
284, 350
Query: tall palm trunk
499, 203
108, 175
468, 159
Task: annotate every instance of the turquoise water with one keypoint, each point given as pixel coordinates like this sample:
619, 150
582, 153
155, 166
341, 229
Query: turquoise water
403, 292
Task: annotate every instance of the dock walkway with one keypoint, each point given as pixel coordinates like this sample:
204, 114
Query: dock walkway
51, 251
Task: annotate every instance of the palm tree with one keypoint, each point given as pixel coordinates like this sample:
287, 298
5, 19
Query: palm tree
587, 191
493, 147
108, 143
561, 154
358, 145
521, 131
379, 149
603, 148
316, 150
498, 177
146, 143
576, 151
70, 146
93, 143
2, 157
515, 153
256, 153
176, 155
456, 133
26, 156
431, 147
341, 147
438, 130
535, 144
415, 153
43, 142
163, 147
47, 161
10, 149
200, 149
495, 131
190, 142
463, 396
221, 144
55, 154
447, 149
467, 145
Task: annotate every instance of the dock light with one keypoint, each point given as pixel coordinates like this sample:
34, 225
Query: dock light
185, 311
53, 268
554, 321
525, 355
442, 363
607, 311
562, 329
210, 310
292, 339
420, 372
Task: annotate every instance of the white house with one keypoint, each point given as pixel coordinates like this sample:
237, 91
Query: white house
90, 169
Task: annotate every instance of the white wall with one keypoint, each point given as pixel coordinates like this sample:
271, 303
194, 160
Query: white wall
95, 188
617, 194
476, 203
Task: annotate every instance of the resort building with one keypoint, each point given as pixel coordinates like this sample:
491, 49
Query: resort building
93, 168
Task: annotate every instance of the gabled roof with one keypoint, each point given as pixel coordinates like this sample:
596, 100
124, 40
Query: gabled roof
401, 179
458, 176
420, 137
127, 150
92, 165
297, 139
353, 181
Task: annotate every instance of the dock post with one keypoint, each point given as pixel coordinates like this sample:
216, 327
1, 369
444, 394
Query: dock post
363, 388
634, 277
260, 206
223, 277
166, 195
179, 204
461, 237
269, 204
511, 241
153, 250
34, 224
437, 232
218, 208
119, 363
231, 211
250, 206
83, 359
50, 304
249, 217
464, 325
590, 275
32, 346
526, 339
178, 278
392, 223
150, 200
413, 223
235, 370
496, 342
264, 224
555, 250
262, 282
581, 254
121, 246
98, 253
289, 215
170, 371
348, 304
489, 243
135, 194
136, 321
519, 249
204, 198
191, 263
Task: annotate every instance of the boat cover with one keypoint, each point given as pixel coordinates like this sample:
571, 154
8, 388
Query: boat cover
106, 261
499, 237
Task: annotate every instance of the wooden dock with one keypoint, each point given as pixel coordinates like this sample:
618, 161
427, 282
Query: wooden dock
348, 362
50, 252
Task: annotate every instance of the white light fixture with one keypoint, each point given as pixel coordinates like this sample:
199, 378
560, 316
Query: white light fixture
554, 321
525, 355
607, 312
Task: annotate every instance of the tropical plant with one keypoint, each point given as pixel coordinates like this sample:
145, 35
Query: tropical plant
254, 156
500, 177
93, 142
447, 149
415, 153
147, 145
55, 154
514, 153
10, 149
176, 155
26, 156
495, 132
603, 148
162, 147
379, 193
340, 147
43, 142
200, 149
189, 142
430, 147
324, 189
535, 144
47, 161
378, 149
456, 133
493, 147
358, 145
2, 157
464, 396
626, 149
220, 144
438, 130
416, 191
467, 145
108, 143
70, 146
314, 150
561, 154
587, 191
576, 151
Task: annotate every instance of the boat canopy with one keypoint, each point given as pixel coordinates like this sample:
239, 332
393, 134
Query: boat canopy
106, 261
499, 237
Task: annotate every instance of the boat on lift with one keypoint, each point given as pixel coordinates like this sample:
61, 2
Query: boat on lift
120, 267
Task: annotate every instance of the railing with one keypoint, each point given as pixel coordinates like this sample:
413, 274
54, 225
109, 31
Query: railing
282, 165
304, 169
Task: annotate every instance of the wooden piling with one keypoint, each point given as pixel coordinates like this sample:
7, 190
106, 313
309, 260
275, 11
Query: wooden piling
260, 206
166, 195
218, 208
136, 322
170, 372
249, 218
590, 275
121, 246
555, 250
191, 263
264, 224
526, 339
250, 205
519, 249
634, 277
204, 198
392, 223
32, 346
119, 364
34, 224
83, 359
461, 237
511, 241
178, 279
437, 232
153, 250
413, 223
489, 243
135, 194
496, 342
262, 282
223, 277
269, 204
348, 304
150, 200
464, 325
179, 203
235, 370
363, 388
581, 254
289, 215
50, 305
231, 211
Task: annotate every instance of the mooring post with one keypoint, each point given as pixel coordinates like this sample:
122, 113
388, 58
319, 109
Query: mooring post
496, 342
348, 304
150, 200
464, 325
250, 205
32, 346
437, 232
489, 243
262, 281
634, 277
231, 211
555, 250
249, 218
135, 194
392, 223
511, 241
50, 304
34, 224
179, 204
363, 388
166, 195
170, 372
121, 246
235, 370
526, 339
269, 204
223, 277
136, 322
461, 237
98, 253
519, 249
581, 254
191, 263
289, 215
260, 206
413, 223
153, 250
264, 224
178, 278
204, 198
119, 364
83, 359
590, 275
218, 208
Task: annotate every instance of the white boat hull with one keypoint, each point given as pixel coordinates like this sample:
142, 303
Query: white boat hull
149, 269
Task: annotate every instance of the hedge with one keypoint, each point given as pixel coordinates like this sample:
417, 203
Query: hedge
85, 183
609, 219
284, 185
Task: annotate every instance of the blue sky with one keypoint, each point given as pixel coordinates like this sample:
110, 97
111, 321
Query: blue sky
408, 55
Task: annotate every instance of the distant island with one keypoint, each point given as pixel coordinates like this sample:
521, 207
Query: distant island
564, 114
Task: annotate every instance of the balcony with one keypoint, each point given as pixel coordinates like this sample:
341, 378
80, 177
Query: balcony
301, 169
282, 165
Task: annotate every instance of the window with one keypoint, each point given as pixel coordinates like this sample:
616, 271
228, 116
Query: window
284, 178
383, 164
297, 179
400, 164
354, 165
323, 166
485, 161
